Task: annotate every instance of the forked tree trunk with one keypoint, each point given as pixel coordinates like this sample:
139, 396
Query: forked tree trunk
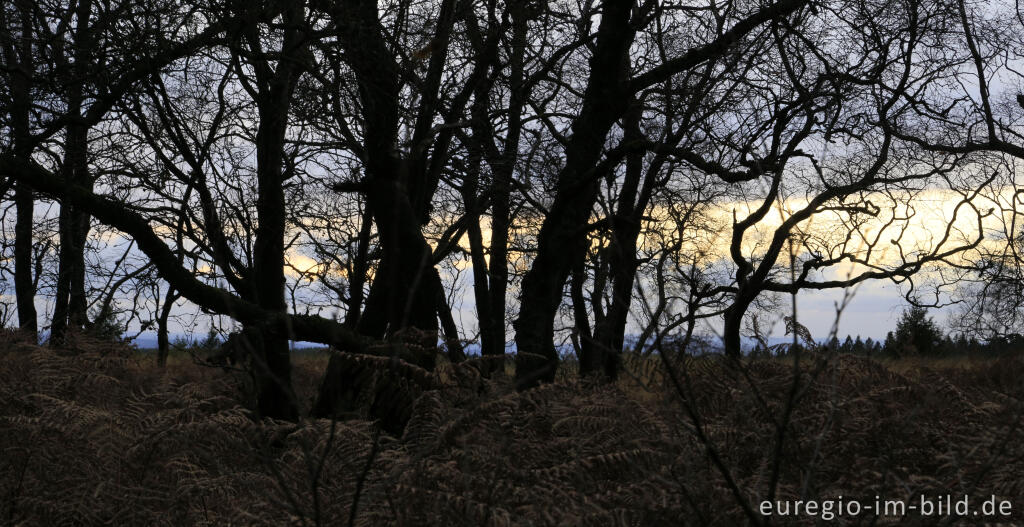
562, 237
70, 302
609, 332
403, 301
492, 306
269, 348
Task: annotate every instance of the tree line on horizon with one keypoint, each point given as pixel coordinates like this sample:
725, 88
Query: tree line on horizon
345, 172
916, 335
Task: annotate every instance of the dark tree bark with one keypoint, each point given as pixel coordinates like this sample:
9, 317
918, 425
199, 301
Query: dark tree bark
583, 337
70, 302
561, 241
272, 360
361, 265
732, 343
24, 283
481, 282
452, 343
624, 226
490, 276
163, 345
562, 237
403, 299
18, 56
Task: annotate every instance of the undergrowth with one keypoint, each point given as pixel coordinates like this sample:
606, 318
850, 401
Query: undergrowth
98, 436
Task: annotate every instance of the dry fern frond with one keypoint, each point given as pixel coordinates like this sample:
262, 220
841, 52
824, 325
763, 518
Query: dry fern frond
97, 438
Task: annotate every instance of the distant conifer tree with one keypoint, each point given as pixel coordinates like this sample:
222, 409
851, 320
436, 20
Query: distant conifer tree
917, 334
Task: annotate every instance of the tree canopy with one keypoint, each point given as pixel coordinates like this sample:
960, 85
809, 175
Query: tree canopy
590, 177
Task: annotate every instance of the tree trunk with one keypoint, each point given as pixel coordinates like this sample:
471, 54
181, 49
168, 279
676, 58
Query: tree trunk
589, 357
610, 330
451, 332
481, 286
273, 365
271, 355
18, 54
497, 270
24, 284
359, 270
491, 323
403, 300
77, 302
70, 303
733, 325
503, 170
163, 345
562, 237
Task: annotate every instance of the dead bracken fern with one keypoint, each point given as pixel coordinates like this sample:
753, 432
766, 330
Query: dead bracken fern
94, 436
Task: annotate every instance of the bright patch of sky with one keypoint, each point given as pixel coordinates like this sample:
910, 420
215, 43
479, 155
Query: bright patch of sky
872, 312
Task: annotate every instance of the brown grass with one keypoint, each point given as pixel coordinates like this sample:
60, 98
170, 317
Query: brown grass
90, 437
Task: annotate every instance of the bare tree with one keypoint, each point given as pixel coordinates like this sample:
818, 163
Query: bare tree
283, 165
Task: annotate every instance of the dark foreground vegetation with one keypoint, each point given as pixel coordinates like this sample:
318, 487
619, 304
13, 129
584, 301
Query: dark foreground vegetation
94, 434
